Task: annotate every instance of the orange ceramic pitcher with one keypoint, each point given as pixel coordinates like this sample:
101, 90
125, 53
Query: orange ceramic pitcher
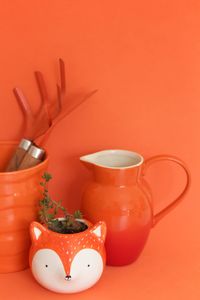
19, 195
120, 196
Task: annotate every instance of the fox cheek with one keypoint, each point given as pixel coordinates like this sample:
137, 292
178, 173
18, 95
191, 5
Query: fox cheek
87, 263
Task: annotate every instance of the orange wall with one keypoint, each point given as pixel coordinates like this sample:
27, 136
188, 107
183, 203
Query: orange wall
143, 56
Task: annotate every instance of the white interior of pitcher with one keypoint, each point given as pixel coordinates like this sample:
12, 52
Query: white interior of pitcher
116, 159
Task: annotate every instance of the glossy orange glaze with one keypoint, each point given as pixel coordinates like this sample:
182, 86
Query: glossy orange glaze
19, 195
121, 197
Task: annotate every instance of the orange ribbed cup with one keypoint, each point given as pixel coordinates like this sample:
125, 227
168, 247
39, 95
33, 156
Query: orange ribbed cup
19, 195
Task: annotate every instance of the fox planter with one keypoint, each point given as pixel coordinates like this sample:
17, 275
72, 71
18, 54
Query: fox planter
67, 263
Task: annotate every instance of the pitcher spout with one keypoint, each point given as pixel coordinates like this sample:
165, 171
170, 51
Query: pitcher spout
88, 160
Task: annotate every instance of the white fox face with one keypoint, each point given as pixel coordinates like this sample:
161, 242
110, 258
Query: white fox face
67, 263
85, 271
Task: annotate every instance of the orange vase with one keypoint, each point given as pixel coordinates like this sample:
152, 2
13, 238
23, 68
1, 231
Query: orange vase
19, 195
120, 196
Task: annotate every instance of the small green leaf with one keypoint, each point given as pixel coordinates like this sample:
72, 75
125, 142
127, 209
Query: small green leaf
47, 176
78, 214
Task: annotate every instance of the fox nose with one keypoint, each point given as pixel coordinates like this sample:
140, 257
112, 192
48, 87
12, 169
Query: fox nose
68, 277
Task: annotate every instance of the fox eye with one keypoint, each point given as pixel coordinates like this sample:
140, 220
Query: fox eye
88, 266
46, 266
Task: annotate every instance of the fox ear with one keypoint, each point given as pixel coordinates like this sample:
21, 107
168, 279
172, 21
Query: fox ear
36, 229
99, 230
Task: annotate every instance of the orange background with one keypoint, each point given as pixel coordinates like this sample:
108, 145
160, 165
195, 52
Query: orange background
144, 58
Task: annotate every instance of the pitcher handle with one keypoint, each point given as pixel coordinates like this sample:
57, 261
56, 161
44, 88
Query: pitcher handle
174, 203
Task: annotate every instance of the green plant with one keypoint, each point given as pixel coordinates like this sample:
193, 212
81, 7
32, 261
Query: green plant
49, 209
